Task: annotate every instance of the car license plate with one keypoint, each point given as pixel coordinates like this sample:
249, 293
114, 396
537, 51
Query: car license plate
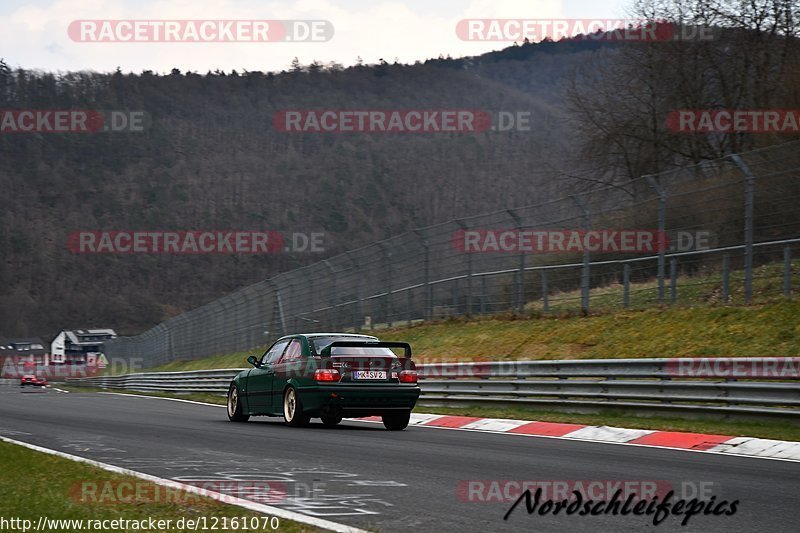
369, 374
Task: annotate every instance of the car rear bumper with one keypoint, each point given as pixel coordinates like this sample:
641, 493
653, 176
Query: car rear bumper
358, 400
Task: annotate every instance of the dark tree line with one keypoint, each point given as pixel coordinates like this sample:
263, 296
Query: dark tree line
211, 159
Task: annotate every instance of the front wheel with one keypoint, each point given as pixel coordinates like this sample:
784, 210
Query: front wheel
396, 421
235, 405
293, 409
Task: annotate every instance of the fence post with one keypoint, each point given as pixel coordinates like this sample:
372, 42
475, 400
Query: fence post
726, 277
428, 311
387, 253
586, 258
293, 320
277, 307
469, 272
787, 272
626, 282
409, 304
748, 226
454, 308
520, 288
483, 295
357, 322
662, 227
545, 303
310, 307
331, 306
673, 280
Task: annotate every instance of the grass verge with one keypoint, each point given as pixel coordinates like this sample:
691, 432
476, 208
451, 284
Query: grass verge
36, 484
753, 331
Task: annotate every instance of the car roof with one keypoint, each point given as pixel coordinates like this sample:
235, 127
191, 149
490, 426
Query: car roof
312, 335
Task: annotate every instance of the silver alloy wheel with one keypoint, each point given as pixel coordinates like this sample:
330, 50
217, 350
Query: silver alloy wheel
233, 399
289, 404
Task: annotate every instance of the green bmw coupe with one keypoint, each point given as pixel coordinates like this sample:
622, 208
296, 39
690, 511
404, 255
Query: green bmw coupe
329, 376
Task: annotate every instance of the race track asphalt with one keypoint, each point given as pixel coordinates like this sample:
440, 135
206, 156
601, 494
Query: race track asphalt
359, 474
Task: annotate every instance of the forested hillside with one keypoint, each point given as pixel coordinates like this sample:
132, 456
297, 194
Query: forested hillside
211, 158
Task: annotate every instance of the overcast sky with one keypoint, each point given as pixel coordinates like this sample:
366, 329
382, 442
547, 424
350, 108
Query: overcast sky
34, 32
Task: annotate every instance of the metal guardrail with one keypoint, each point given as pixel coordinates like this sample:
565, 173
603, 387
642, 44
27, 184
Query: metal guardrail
652, 385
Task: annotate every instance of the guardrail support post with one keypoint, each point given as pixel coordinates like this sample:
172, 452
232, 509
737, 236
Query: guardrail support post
626, 283
787, 272
673, 280
748, 226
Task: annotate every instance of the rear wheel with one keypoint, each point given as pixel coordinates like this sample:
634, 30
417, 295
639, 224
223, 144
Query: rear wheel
235, 406
293, 409
331, 420
396, 421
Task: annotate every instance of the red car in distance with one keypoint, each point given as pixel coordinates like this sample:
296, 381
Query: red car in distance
31, 379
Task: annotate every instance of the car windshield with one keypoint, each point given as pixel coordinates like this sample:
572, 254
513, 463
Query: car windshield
320, 343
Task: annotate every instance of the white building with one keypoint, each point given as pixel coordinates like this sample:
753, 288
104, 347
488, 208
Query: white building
80, 346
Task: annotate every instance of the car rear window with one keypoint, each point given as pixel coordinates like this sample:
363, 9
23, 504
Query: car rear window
320, 343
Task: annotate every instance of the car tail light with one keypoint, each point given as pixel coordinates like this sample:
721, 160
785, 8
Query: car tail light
326, 374
408, 376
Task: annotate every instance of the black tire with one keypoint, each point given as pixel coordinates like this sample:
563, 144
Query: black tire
293, 409
396, 421
234, 405
331, 420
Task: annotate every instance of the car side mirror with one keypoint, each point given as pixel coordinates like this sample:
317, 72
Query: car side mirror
253, 361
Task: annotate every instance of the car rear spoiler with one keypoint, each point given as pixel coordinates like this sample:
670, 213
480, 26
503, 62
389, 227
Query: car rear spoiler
326, 352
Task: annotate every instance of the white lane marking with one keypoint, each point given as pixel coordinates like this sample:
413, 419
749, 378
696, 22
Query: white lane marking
161, 398
59, 390
251, 506
721, 449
